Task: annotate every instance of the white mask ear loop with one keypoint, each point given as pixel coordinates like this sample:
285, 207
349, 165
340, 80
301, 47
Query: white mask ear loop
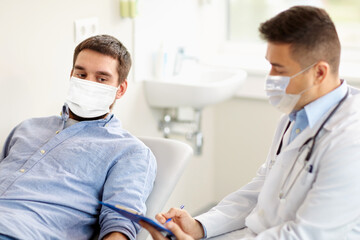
305, 90
304, 70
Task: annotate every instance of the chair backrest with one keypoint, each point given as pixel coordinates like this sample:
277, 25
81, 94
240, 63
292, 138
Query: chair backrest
172, 157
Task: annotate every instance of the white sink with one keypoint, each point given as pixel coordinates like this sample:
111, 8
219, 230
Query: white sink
197, 88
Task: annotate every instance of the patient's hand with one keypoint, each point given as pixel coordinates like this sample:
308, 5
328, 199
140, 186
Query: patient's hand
173, 227
183, 219
115, 236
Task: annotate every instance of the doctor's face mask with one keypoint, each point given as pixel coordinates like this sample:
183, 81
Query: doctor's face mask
275, 88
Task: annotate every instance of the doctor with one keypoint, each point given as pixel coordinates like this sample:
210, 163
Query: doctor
309, 186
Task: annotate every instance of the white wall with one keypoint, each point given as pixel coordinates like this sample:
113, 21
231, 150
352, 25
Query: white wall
36, 46
244, 130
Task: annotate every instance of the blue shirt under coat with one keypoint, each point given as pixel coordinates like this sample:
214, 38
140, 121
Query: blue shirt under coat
51, 178
312, 112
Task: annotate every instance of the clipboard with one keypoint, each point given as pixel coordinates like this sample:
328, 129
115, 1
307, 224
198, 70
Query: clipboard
136, 217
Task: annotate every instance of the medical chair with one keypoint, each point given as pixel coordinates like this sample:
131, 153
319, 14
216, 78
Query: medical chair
172, 157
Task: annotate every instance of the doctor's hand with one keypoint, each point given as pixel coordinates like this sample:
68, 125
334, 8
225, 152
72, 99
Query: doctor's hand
173, 227
182, 218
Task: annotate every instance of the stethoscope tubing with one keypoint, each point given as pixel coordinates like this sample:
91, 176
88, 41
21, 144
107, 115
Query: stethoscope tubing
283, 194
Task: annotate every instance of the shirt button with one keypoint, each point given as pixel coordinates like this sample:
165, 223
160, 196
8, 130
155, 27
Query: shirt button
297, 131
22, 170
42, 151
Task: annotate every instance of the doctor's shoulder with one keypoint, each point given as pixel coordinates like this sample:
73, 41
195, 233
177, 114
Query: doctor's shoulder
346, 123
351, 107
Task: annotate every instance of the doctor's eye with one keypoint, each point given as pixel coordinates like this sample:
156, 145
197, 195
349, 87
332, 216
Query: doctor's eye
276, 70
280, 73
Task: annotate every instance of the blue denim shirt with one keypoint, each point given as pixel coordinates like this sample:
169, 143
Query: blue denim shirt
52, 178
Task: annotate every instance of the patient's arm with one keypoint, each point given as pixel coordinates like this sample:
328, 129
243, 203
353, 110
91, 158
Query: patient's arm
115, 236
6, 146
128, 184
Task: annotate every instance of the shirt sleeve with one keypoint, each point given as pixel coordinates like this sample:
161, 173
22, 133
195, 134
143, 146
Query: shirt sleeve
6, 147
230, 213
129, 183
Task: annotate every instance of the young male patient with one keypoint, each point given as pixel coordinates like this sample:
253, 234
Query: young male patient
54, 170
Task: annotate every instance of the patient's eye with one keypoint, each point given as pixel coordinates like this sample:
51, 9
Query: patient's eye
102, 78
80, 75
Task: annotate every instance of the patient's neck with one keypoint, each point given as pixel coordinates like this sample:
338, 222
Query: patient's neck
80, 119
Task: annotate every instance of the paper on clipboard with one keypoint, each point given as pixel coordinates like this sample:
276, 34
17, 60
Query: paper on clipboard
136, 217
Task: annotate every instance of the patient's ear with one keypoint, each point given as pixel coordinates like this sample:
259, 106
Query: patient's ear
122, 89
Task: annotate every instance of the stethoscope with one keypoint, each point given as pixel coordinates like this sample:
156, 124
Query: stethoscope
312, 140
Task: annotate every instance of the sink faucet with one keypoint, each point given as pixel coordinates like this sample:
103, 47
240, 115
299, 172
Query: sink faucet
179, 58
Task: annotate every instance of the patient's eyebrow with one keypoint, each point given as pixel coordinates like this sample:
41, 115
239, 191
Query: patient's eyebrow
79, 67
104, 73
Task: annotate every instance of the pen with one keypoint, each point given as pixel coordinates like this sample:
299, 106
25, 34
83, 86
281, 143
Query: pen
181, 207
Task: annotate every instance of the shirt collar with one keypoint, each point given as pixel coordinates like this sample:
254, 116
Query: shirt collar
316, 109
65, 116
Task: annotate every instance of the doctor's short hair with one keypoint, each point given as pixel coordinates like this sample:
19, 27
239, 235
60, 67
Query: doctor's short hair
310, 32
110, 46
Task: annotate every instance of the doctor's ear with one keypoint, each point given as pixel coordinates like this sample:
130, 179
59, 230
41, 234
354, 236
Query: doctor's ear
322, 70
122, 89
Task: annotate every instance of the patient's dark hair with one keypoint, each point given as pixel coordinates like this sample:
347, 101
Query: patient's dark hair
309, 31
109, 46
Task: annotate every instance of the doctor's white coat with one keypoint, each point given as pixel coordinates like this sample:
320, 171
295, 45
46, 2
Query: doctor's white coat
321, 203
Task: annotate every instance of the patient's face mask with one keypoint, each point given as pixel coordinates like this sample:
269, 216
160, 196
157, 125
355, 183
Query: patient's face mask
275, 88
89, 99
